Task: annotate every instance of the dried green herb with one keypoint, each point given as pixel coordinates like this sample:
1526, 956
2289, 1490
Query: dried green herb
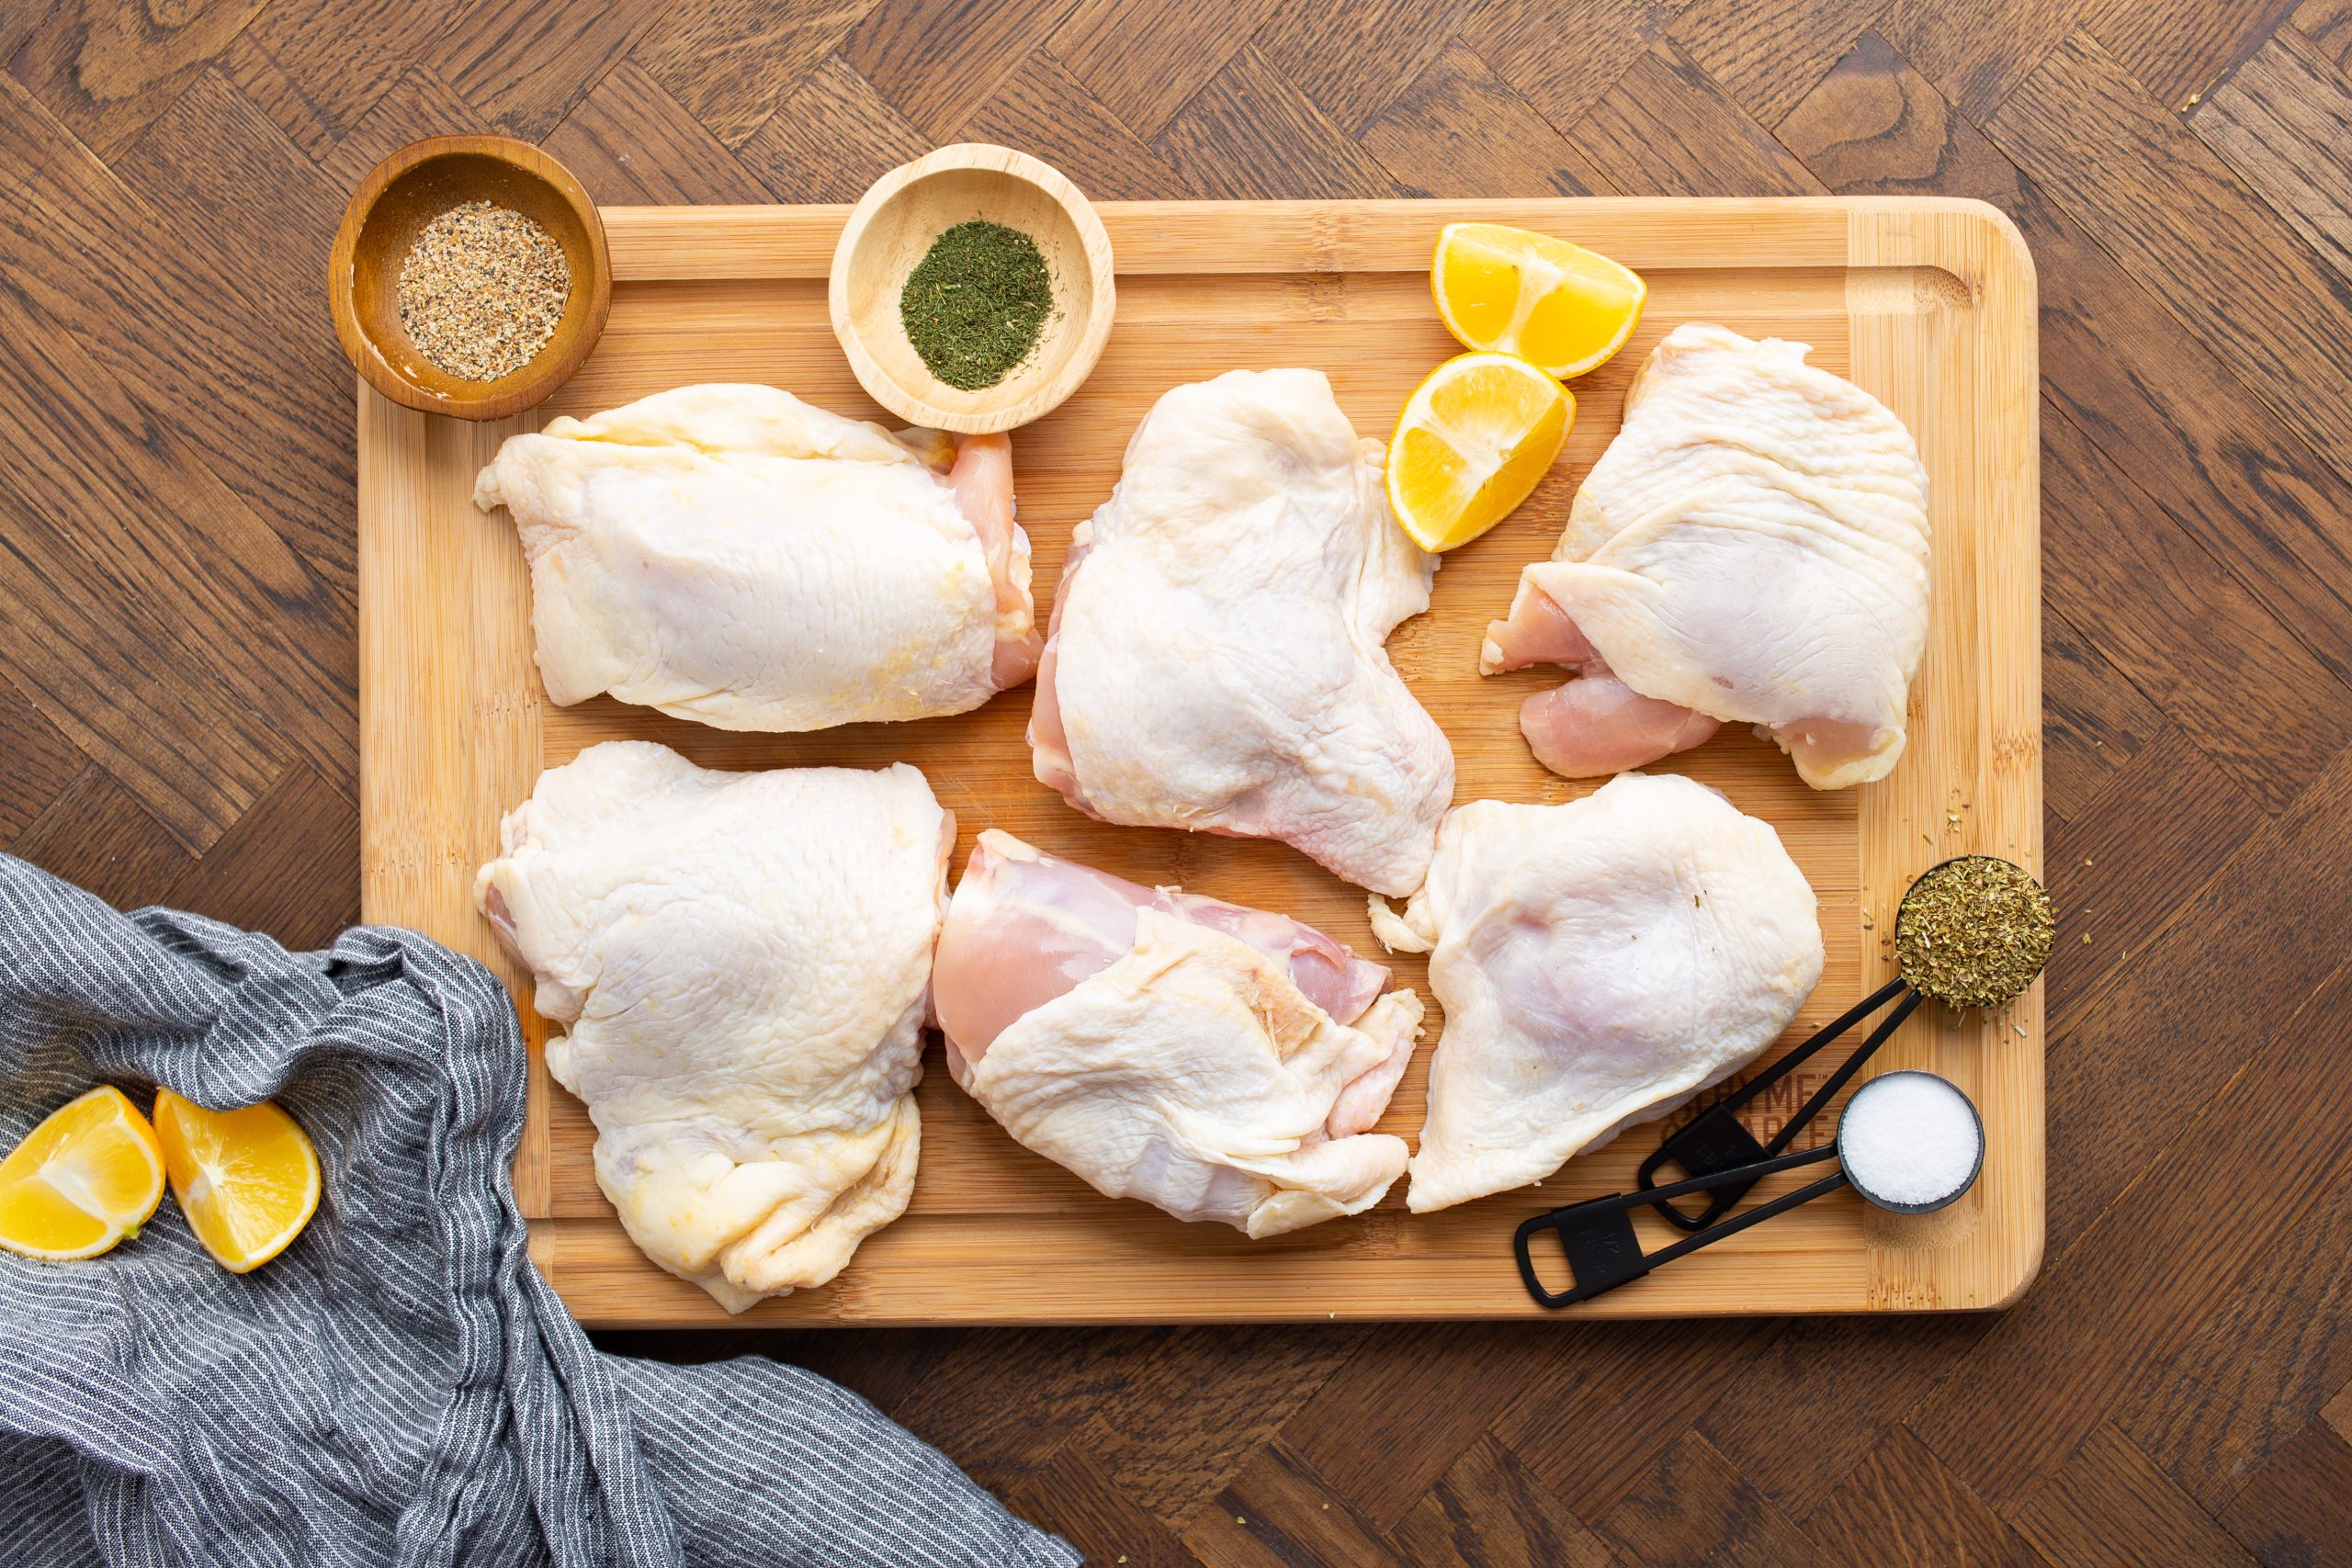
1974, 931
975, 303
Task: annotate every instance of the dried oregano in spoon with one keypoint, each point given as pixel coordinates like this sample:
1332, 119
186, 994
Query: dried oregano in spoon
1974, 933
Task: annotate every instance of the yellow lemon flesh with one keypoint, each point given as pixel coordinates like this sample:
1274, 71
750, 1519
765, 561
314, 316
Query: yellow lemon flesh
82, 1180
1473, 440
248, 1181
1559, 306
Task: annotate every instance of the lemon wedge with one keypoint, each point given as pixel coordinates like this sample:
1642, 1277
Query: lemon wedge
1473, 440
1560, 306
82, 1180
248, 1181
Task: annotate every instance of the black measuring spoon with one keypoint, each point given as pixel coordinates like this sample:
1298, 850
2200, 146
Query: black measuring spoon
1603, 1251
1715, 1148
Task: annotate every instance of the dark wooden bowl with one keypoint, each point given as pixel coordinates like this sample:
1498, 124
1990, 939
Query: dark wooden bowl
409, 189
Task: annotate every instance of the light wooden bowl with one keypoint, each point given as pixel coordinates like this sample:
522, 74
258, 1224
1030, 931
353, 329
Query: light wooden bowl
894, 224
409, 189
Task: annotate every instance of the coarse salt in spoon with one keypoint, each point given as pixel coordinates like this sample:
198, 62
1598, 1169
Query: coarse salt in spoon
1909, 1142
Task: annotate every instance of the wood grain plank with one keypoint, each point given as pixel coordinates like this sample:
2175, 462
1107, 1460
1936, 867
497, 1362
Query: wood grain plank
1903, 1506
1073, 1495
2131, 863
1009, 1397
216, 173
1386, 1426
2328, 24
730, 63
83, 250
1599, 1426
1277, 1512
1768, 56
1489, 1510
419, 104
36, 763
934, 59
831, 139
18, 19
1179, 1439
2093, 719
1564, 55
2111, 1507
2172, 214
1693, 1506
2178, 49
1144, 57
2298, 1508
2183, 629
2191, 1222
630, 141
525, 64
2167, 408
290, 867
2337, 1411
1251, 134
2260, 1367
95, 833
1665, 128
1977, 51
1459, 129
1046, 111
152, 524
2279, 121
1811, 1406
106, 70
1352, 60
315, 82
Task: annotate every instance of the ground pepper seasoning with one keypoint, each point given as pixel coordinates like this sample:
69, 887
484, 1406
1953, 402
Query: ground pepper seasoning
481, 290
975, 304
1974, 931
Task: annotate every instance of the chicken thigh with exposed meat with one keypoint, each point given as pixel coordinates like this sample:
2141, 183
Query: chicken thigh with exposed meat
1751, 547
1219, 1061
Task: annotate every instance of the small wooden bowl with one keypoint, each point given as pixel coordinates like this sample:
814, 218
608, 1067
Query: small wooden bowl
894, 224
409, 189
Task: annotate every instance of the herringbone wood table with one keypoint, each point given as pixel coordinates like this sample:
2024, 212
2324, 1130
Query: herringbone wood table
177, 712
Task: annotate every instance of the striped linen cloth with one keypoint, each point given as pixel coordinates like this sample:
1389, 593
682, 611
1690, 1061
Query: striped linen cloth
400, 1386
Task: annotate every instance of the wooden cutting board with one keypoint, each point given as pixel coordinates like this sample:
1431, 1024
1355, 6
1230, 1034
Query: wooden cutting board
1928, 303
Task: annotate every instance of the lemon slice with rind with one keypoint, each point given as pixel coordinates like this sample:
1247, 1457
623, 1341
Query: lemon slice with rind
1559, 306
1473, 439
248, 1181
87, 1176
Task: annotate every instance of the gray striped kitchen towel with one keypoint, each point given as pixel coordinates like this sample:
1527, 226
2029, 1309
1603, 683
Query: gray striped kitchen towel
400, 1386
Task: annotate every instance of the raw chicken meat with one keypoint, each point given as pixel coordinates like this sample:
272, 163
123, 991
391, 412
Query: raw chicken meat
732, 555
1599, 963
1216, 660
740, 963
1751, 547
1217, 1062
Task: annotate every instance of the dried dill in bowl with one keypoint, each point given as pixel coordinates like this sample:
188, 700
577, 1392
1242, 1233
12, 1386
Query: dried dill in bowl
976, 305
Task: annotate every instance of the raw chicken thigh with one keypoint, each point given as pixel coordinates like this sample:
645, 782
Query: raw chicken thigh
1216, 660
1599, 963
732, 555
1217, 1062
1752, 548
741, 961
